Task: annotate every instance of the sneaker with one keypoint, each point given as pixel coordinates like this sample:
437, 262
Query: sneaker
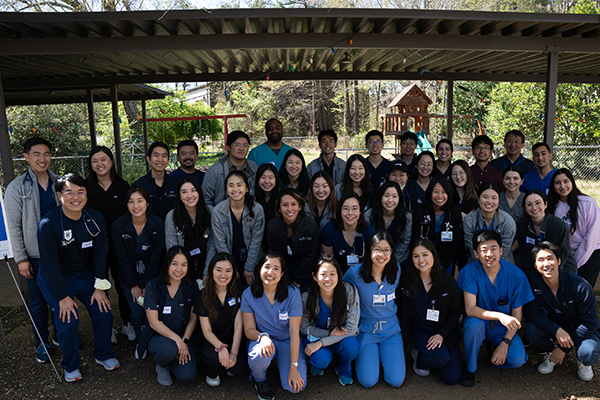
110, 364
344, 380
467, 378
73, 376
584, 372
41, 355
229, 373
128, 331
213, 381
264, 390
421, 372
137, 356
316, 371
547, 366
55, 339
163, 376
113, 336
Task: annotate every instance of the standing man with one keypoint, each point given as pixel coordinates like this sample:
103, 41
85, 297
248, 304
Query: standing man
495, 292
213, 187
408, 145
563, 316
540, 177
379, 167
482, 171
328, 161
73, 242
28, 198
514, 141
273, 150
161, 187
187, 156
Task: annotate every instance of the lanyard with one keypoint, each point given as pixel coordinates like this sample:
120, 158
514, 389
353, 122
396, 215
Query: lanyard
515, 164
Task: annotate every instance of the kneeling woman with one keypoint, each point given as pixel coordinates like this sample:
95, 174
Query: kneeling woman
271, 312
430, 306
169, 304
376, 280
330, 320
220, 320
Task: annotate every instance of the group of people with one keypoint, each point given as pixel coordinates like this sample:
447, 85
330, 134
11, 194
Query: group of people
276, 260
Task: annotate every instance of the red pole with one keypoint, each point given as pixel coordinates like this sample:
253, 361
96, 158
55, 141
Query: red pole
226, 132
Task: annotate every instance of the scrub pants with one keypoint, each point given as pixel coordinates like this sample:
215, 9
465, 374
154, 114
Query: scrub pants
445, 361
476, 330
38, 305
138, 314
81, 286
347, 349
165, 352
587, 350
211, 358
380, 340
111, 260
258, 365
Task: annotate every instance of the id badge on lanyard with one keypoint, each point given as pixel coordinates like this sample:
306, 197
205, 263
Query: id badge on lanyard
432, 313
379, 299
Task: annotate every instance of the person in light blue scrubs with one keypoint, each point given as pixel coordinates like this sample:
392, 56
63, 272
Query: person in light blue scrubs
376, 280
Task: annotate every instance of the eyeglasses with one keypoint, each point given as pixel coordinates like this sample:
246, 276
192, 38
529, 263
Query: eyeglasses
242, 145
70, 194
372, 142
386, 252
350, 209
478, 148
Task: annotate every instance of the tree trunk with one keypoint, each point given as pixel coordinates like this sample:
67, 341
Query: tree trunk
377, 106
346, 108
131, 108
356, 107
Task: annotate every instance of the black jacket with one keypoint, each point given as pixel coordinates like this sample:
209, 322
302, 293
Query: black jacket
448, 302
164, 201
305, 241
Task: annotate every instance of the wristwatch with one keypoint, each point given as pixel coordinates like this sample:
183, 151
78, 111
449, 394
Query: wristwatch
295, 364
507, 341
186, 340
261, 335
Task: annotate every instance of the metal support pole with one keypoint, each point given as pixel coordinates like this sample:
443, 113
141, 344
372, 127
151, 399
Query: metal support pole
91, 117
449, 109
5, 152
550, 106
145, 130
225, 133
117, 128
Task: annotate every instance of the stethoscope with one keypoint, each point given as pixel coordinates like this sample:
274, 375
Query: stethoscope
356, 235
27, 189
427, 222
87, 218
205, 236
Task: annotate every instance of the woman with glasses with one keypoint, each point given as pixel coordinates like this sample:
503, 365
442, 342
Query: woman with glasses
414, 191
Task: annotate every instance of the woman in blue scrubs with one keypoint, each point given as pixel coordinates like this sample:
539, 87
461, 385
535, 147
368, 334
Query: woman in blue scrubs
376, 280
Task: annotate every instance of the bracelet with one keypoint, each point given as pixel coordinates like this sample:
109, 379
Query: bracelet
233, 354
221, 347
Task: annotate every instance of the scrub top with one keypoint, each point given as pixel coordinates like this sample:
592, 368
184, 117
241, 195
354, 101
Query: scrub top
323, 319
223, 327
533, 180
384, 310
511, 288
173, 313
273, 319
331, 237
420, 306
47, 202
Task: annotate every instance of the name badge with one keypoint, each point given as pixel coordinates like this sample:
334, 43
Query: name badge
231, 302
378, 300
391, 296
167, 310
433, 315
289, 250
145, 247
529, 240
283, 316
195, 252
352, 259
447, 236
85, 245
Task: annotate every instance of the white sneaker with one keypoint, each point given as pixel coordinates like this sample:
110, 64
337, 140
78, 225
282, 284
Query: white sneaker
137, 356
421, 372
128, 331
113, 336
213, 381
547, 366
584, 372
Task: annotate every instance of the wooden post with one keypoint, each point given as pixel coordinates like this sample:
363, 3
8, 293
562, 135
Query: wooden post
550, 106
117, 128
91, 116
449, 109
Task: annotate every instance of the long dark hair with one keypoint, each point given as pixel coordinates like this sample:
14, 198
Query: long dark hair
361, 225
412, 275
365, 184
209, 293
258, 192
92, 178
429, 193
391, 268
303, 179
469, 188
141, 191
415, 173
295, 194
248, 199
312, 201
400, 212
572, 199
340, 297
257, 288
163, 274
181, 218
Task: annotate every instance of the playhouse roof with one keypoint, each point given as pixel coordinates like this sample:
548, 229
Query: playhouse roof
411, 95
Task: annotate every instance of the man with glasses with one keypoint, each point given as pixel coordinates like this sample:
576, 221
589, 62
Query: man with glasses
482, 171
28, 198
408, 145
379, 167
495, 292
328, 161
187, 156
72, 241
213, 187
514, 141
540, 177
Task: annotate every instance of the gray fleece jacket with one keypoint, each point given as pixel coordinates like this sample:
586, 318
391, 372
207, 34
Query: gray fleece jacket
309, 327
22, 200
339, 166
213, 185
504, 224
253, 228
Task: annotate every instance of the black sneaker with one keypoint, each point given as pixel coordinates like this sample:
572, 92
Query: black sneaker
264, 390
467, 378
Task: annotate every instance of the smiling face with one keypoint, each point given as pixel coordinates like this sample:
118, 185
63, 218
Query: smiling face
482, 152
444, 152
381, 253
357, 171
542, 157
73, 197
238, 150
137, 205
38, 158
374, 144
271, 272
563, 186
189, 195
178, 268
236, 188
289, 208
223, 273
274, 132
439, 197
425, 166
187, 156
320, 189
327, 145
398, 176
422, 259
459, 176
390, 199
327, 278
159, 159
293, 166
512, 181
488, 201
489, 253
513, 146
267, 181
101, 164
535, 206
408, 146
350, 211
547, 264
